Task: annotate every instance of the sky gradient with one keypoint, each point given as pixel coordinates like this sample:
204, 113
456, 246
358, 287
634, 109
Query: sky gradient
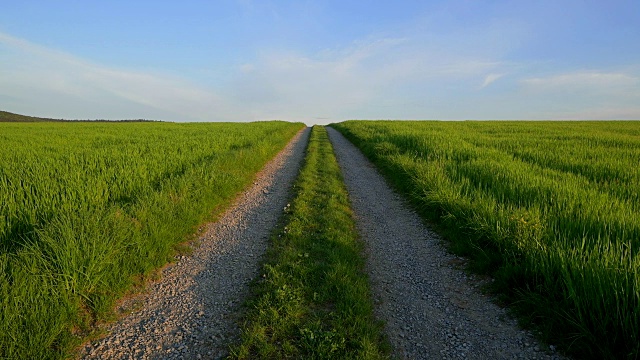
321, 61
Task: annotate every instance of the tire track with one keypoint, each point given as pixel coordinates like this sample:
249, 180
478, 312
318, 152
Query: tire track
192, 312
432, 310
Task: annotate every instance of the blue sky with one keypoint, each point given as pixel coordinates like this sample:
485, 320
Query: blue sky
321, 61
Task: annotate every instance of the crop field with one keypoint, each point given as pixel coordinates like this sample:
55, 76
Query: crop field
88, 208
550, 209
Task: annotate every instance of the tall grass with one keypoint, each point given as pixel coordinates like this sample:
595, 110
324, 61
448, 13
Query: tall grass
551, 209
86, 207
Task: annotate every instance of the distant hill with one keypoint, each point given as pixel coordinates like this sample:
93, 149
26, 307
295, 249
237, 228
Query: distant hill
6, 116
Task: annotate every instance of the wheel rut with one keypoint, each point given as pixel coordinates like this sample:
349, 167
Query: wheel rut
431, 308
192, 312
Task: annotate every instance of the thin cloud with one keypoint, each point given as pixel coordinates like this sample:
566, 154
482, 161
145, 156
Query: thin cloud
55, 74
489, 79
584, 78
349, 82
603, 113
344, 82
394, 77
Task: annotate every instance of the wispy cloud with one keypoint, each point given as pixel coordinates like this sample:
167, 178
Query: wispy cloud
373, 76
35, 74
592, 94
384, 77
603, 113
337, 83
383, 74
584, 78
490, 78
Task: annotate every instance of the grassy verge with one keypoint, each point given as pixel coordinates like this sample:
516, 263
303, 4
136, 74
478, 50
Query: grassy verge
550, 210
313, 299
88, 209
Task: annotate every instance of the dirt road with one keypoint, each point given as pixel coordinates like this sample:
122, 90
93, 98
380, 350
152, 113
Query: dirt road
432, 309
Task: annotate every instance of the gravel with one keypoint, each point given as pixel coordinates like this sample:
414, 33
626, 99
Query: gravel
432, 309
192, 312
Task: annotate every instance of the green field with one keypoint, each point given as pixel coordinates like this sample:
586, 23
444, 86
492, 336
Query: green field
550, 209
88, 208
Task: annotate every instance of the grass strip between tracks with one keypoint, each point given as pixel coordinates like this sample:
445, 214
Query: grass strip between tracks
312, 300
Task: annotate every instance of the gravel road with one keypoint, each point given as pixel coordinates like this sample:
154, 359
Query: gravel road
432, 309
192, 312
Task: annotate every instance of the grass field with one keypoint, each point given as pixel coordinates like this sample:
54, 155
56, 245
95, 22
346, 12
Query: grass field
313, 300
87, 209
550, 209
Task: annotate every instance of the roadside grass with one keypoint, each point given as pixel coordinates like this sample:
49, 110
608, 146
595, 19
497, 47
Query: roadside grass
89, 209
312, 300
550, 209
